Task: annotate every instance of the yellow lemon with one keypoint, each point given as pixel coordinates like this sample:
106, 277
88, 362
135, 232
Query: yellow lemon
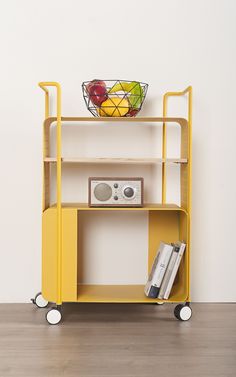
114, 107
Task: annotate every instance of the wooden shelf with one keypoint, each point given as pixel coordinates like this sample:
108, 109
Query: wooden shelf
117, 160
80, 120
146, 207
123, 293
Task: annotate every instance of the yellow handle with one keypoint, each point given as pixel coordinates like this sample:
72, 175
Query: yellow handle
43, 85
185, 91
165, 97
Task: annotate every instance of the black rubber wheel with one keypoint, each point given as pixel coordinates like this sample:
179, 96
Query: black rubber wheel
40, 301
183, 312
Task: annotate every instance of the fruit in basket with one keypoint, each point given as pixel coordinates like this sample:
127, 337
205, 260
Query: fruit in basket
133, 88
132, 112
117, 98
122, 86
114, 107
136, 96
97, 92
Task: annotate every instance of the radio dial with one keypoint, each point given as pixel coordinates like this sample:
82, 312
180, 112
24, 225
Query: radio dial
128, 192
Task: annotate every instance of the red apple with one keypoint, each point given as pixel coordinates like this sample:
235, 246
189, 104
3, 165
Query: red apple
132, 112
95, 82
97, 92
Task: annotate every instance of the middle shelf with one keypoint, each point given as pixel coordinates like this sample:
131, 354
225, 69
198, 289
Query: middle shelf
117, 160
145, 207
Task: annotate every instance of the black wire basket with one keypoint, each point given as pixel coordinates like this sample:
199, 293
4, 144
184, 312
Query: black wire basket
114, 98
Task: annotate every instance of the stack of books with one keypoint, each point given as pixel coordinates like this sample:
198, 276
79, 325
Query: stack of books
164, 270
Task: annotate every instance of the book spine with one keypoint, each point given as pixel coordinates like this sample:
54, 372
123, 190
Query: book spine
148, 290
174, 271
168, 274
155, 283
162, 266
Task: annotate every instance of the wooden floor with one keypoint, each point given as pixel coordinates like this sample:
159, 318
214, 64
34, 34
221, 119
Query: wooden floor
118, 340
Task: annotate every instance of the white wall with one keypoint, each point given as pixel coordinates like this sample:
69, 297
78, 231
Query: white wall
168, 44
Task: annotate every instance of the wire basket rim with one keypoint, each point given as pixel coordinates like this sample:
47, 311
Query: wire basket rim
139, 82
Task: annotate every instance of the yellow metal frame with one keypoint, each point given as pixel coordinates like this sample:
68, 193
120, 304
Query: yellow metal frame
63, 232
44, 86
189, 92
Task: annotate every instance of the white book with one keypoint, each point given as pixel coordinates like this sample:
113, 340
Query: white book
160, 264
169, 270
182, 247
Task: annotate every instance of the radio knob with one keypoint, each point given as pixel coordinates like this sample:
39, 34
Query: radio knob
129, 192
102, 192
116, 197
116, 185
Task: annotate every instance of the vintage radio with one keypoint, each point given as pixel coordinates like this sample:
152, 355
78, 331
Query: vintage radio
115, 192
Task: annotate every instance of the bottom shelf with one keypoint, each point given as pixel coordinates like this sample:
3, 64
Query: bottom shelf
123, 293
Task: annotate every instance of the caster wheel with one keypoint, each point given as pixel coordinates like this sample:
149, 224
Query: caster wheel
53, 316
183, 312
39, 301
160, 303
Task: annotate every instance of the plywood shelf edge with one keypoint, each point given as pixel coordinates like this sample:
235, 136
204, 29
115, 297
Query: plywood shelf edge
117, 160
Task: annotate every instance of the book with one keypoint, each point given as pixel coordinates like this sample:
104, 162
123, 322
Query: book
168, 272
159, 266
180, 248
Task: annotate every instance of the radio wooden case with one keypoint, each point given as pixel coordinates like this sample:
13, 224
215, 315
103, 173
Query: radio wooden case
116, 192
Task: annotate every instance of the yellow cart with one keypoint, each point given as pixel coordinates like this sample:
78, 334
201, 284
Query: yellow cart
166, 221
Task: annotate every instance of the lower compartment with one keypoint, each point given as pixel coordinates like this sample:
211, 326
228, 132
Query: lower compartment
73, 285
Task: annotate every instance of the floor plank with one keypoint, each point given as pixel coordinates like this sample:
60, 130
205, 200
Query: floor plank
101, 340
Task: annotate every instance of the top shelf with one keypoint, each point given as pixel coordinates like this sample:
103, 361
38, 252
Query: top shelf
181, 121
